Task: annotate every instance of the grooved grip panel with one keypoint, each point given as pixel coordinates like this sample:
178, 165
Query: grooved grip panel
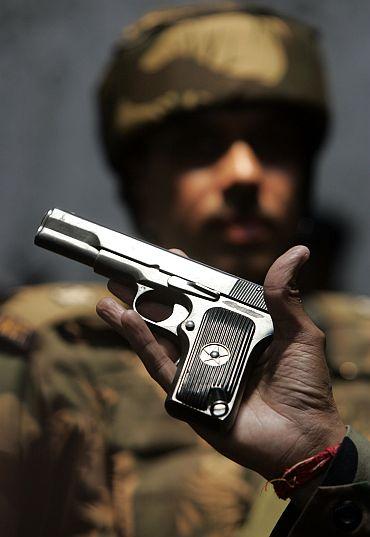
249, 293
226, 328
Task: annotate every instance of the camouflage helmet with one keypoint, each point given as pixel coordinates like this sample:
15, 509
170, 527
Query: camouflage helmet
180, 59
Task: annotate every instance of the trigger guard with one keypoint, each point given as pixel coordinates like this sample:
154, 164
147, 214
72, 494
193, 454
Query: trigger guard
141, 290
171, 324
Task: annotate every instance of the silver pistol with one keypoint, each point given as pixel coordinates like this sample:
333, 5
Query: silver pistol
221, 321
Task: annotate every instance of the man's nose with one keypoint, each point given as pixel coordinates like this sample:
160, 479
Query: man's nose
240, 174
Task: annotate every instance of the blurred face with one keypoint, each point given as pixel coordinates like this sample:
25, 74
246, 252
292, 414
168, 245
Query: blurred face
224, 185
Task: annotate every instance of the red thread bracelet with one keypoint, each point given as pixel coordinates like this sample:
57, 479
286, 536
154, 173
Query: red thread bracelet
302, 472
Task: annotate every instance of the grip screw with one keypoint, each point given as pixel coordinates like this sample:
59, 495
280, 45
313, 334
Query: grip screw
217, 401
190, 325
219, 409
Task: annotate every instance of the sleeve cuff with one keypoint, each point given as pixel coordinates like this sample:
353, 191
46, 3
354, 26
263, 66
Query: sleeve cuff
341, 504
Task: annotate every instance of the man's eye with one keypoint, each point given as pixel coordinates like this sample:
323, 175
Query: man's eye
209, 147
201, 151
271, 155
276, 150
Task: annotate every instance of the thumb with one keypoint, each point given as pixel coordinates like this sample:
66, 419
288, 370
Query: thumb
282, 296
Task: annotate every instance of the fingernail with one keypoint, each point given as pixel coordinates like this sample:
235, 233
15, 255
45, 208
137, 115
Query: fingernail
110, 311
178, 252
301, 251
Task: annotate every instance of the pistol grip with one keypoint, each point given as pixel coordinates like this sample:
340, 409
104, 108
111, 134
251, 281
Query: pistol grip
206, 386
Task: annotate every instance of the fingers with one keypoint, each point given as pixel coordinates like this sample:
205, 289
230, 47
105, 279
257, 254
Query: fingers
112, 312
178, 252
129, 324
281, 295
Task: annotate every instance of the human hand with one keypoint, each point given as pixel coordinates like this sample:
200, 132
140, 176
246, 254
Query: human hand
287, 412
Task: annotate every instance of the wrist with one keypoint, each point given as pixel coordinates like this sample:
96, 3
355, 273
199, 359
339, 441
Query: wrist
304, 473
317, 438
300, 481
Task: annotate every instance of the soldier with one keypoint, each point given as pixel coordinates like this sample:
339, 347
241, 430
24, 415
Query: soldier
207, 115
219, 160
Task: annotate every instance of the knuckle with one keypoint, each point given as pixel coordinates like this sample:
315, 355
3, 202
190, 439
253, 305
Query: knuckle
131, 318
274, 292
130, 314
157, 368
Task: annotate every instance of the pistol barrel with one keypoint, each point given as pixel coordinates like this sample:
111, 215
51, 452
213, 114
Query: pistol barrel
69, 240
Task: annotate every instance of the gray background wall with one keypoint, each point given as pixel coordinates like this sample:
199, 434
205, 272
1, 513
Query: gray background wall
51, 54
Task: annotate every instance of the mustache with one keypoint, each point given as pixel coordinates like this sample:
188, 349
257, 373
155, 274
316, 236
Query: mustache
215, 223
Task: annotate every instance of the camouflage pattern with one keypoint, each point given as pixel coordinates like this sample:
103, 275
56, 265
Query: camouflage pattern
183, 58
86, 447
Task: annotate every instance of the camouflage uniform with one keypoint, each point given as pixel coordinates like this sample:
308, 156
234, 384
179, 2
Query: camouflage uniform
86, 446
